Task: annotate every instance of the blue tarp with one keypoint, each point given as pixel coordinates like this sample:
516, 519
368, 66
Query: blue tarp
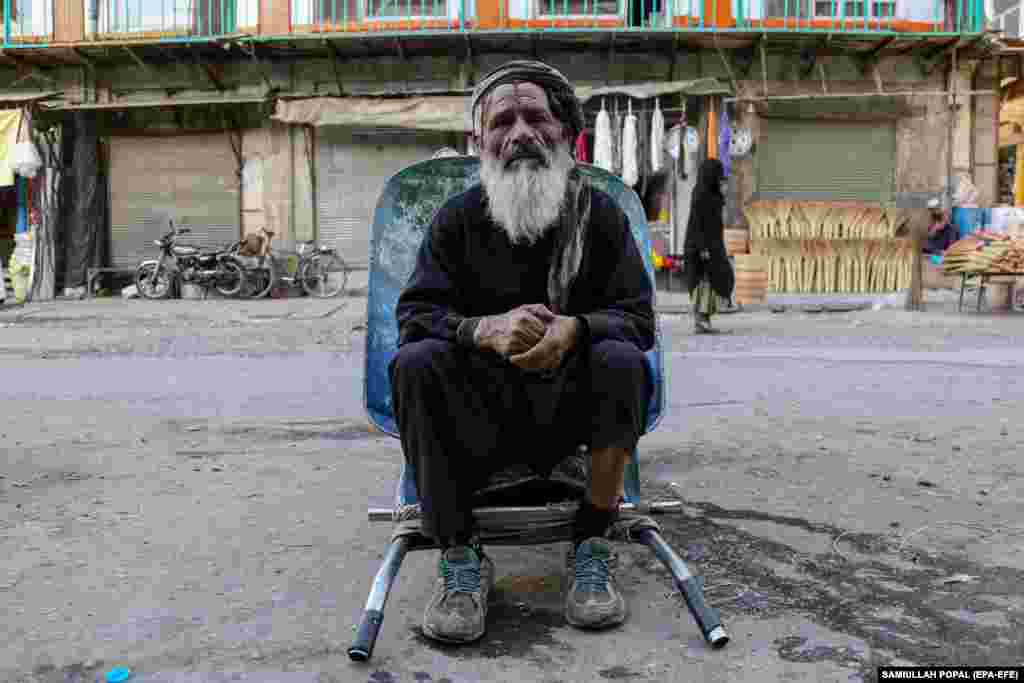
970, 220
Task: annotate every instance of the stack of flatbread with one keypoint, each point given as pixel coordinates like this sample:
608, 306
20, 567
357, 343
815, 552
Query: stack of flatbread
1011, 261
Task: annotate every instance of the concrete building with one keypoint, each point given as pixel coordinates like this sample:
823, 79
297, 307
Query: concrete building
229, 115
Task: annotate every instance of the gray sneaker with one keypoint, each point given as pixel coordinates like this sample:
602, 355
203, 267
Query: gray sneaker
457, 612
593, 600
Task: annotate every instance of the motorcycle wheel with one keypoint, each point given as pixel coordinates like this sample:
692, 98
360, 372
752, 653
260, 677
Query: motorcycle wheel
324, 276
153, 283
260, 280
231, 279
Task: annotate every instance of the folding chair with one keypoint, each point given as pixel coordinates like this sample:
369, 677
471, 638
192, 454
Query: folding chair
517, 507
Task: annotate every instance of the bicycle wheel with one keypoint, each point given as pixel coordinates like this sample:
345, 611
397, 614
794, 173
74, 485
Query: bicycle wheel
323, 275
260, 279
153, 283
231, 280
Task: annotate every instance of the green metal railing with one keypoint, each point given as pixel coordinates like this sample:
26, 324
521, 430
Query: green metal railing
350, 14
168, 19
826, 16
922, 17
28, 22
31, 22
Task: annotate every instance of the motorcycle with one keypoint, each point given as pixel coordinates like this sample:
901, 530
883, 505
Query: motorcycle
157, 278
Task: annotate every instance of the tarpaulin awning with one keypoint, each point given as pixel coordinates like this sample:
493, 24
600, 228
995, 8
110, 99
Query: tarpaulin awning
442, 113
643, 91
449, 112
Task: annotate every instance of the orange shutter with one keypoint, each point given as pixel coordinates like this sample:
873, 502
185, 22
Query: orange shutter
491, 13
712, 128
718, 13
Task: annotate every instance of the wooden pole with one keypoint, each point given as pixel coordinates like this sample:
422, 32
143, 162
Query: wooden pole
918, 227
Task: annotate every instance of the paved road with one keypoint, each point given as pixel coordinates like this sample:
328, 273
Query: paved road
184, 492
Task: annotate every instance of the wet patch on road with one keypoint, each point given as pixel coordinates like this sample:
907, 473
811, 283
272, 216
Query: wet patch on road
513, 632
335, 430
889, 600
522, 621
619, 673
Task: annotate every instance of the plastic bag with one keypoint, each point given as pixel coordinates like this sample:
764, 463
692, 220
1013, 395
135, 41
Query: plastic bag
966, 193
25, 159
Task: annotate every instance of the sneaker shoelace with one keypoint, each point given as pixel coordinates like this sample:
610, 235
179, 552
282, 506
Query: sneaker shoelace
592, 573
461, 577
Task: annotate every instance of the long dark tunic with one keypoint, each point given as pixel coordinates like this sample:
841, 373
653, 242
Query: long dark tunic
705, 230
464, 413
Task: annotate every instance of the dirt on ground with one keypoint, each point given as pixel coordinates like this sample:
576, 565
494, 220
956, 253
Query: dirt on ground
184, 487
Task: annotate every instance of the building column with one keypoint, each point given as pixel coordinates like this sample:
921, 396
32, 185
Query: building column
961, 81
985, 158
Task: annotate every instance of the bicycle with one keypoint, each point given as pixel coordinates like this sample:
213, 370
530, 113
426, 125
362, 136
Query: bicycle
320, 271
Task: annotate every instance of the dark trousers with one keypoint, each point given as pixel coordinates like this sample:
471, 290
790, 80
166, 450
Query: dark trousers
465, 415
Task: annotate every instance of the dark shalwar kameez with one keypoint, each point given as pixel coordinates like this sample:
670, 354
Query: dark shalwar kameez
465, 414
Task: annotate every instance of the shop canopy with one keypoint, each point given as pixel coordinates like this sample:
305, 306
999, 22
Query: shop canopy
449, 112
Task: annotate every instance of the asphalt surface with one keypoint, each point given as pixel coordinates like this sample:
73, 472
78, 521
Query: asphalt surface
184, 487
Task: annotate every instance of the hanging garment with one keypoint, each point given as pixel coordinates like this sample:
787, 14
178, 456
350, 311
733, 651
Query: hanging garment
581, 148
643, 154
725, 140
657, 137
617, 121
630, 171
471, 149
603, 140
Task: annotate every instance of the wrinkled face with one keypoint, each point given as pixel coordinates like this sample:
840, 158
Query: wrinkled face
525, 160
518, 124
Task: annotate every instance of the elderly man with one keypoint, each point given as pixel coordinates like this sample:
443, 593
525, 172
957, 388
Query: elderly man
522, 331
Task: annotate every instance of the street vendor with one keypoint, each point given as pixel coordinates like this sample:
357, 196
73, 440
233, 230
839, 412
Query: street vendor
522, 332
941, 233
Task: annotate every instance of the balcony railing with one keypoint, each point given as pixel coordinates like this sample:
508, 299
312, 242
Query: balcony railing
27, 22
32, 22
169, 19
827, 16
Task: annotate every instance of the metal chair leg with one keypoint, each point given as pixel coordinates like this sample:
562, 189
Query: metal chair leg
373, 615
706, 617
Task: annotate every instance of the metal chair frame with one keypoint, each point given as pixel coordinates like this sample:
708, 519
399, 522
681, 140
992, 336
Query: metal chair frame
403, 213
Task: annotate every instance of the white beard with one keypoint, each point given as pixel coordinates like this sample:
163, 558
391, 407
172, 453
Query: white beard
526, 200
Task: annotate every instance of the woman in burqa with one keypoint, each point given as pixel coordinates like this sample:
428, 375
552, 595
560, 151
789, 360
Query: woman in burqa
708, 274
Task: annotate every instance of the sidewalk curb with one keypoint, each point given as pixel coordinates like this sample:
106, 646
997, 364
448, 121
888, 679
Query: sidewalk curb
686, 310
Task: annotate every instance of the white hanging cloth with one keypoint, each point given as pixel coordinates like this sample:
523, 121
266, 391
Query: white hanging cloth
603, 140
657, 137
630, 167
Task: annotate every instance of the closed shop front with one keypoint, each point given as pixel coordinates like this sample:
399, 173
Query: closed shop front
190, 179
352, 166
828, 160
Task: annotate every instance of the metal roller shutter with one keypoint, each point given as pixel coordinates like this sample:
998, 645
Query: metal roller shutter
826, 159
191, 179
352, 166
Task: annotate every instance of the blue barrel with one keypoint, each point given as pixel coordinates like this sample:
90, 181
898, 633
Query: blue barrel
970, 220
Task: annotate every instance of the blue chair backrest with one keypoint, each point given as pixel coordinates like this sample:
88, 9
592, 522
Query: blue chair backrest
404, 212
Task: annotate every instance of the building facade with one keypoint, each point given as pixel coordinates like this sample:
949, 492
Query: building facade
225, 116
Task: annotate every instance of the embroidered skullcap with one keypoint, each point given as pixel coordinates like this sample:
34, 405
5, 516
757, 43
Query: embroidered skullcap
564, 104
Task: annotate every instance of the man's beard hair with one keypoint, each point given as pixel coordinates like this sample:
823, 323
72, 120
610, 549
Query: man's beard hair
526, 199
